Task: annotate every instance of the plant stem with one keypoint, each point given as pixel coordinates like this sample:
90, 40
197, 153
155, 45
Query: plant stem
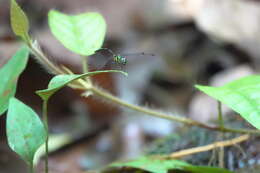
44, 60
220, 116
221, 125
84, 61
148, 111
45, 120
31, 167
103, 94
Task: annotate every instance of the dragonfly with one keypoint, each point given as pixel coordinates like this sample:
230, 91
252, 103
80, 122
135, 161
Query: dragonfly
106, 58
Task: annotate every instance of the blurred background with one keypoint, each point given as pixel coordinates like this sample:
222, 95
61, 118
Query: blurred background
207, 42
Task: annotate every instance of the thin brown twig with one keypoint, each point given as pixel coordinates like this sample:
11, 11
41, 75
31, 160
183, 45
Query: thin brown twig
212, 146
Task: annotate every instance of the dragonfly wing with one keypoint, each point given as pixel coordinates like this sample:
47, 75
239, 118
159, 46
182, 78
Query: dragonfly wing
98, 60
112, 65
133, 58
140, 54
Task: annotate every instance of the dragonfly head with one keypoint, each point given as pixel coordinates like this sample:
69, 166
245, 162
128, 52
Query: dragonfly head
120, 59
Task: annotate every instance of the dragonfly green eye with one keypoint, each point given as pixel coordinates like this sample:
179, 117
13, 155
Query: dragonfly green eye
120, 59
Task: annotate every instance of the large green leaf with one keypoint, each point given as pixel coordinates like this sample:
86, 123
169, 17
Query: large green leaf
82, 34
9, 75
242, 95
155, 165
19, 21
60, 81
25, 131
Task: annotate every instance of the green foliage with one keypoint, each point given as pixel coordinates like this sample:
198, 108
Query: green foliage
242, 95
60, 81
25, 131
82, 34
163, 166
9, 75
19, 21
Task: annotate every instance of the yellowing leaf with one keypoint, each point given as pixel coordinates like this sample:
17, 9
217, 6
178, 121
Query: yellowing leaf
19, 21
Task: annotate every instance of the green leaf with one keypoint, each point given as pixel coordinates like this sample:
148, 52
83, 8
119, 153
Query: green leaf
9, 75
205, 169
25, 131
19, 21
82, 34
242, 95
156, 165
153, 165
60, 81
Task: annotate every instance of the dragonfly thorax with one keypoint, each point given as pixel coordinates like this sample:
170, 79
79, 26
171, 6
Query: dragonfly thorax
120, 59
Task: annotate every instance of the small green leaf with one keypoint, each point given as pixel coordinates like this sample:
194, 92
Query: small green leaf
242, 95
82, 34
25, 131
19, 21
9, 75
156, 165
60, 81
